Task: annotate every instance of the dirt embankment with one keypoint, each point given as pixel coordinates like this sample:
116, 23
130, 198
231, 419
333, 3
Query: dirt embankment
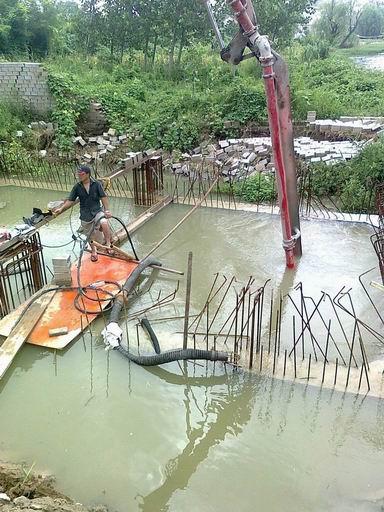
24, 491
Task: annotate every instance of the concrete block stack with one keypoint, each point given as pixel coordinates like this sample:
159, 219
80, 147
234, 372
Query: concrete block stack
239, 158
311, 116
62, 270
356, 126
26, 82
326, 151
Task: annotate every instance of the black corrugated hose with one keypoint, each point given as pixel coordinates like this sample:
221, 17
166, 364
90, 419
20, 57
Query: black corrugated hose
162, 357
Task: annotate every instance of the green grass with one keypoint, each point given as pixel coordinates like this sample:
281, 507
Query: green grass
365, 48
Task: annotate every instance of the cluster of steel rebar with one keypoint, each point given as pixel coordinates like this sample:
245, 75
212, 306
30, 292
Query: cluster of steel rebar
26, 172
188, 187
22, 272
143, 182
327, 205
192, 188
283, 334
377, 238
148, 181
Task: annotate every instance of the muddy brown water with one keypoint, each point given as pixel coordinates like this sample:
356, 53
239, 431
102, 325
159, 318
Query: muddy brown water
198, 437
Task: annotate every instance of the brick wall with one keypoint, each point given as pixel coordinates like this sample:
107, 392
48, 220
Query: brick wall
25, 82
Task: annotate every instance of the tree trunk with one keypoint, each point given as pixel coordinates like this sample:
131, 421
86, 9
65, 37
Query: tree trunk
182, 43
154, 49
122, 47
171, 53
146, 51
350, 32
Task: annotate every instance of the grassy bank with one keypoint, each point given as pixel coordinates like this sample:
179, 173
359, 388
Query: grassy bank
180, 108
364, 48
177, 109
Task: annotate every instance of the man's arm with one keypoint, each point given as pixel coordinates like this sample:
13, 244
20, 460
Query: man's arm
67, 204
105, 203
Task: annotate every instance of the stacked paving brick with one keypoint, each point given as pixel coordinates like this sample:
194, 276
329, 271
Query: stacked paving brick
25, 82
236, 158
62, 270
347, 125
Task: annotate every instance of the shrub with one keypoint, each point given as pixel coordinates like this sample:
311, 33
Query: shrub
257, 188
70, 103
13, 117
315, 48
351, 183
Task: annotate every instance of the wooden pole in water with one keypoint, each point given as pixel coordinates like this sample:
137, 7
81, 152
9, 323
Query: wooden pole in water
187, 300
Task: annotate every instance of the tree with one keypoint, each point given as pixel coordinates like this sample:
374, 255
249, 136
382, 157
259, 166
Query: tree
280, 20
27, 26
338, 21
14, 20
63, 37
41, 21
149, 25
117, 20
190, 22
88, 24
371, 22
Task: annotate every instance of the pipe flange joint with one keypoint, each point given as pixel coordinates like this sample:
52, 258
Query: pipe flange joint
289, 244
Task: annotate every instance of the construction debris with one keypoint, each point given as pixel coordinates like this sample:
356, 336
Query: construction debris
97, 148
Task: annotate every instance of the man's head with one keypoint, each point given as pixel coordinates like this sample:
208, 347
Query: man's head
83, 173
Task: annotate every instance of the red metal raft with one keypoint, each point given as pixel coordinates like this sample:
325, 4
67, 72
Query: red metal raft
61, 312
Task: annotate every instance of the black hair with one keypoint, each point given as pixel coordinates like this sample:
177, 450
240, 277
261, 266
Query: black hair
85, 168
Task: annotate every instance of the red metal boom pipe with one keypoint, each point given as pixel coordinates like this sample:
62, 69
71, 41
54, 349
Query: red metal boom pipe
242, 11
274, 126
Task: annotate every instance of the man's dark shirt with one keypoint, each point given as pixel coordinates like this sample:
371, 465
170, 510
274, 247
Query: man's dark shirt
89, 202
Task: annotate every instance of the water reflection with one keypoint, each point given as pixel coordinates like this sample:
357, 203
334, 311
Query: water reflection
25, 364
233, 400
222, 415
198, 438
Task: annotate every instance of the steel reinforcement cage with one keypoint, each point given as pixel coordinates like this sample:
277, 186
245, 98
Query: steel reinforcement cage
22, 271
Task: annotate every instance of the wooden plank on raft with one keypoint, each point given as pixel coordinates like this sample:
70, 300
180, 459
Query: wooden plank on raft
22, 330
8, 322
115, 252
62, 310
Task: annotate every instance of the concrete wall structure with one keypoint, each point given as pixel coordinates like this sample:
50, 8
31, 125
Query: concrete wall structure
25, 82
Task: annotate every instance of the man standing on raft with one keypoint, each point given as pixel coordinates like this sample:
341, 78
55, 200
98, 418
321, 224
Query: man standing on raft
93, 217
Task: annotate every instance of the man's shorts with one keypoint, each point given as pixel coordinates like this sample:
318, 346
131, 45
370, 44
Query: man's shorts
93, 227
